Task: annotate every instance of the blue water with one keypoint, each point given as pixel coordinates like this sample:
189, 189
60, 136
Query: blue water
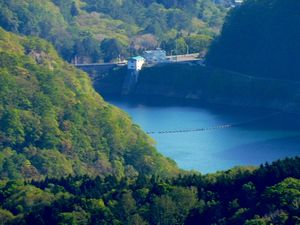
258, 136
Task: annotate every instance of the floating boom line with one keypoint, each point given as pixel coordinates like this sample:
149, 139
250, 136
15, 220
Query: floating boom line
223, 126
191, 130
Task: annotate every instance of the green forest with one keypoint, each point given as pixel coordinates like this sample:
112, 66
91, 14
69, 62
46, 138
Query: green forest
68, 157
94, 30
267, 195
54, 124
260, 38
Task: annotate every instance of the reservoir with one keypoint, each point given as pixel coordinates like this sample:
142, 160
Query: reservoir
196, 138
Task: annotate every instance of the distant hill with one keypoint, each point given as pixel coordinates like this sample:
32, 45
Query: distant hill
53, 123
260, 38
84, 28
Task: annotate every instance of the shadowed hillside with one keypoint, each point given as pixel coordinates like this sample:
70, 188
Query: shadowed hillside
260, 38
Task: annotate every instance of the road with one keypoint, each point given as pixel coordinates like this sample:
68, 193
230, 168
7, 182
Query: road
187, 57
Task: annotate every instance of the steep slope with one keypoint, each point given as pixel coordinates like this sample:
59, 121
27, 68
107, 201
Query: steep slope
52, 122
260, 38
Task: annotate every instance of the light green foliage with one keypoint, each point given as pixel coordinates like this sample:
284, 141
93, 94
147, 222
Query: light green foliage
5, 216
38, 18
25, 198
181, 46
257, 221
185, 200
198, 43
173, 207
96, 204
53, 122
78, 27
285, 195
74, 218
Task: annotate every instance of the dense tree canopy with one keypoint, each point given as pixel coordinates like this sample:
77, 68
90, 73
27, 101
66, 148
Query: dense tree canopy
68, 157
54, 124
260, 38
74, 26
266, 195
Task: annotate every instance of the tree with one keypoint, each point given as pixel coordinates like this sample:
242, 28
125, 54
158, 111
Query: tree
112, 49
127, 206
87, 47
198, 43
181, 46
12, 126
136, 219
258, 221
164, 210
5, 216
249, 193
284, 195
185, 199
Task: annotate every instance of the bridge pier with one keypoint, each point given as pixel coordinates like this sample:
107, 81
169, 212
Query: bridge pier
130, 81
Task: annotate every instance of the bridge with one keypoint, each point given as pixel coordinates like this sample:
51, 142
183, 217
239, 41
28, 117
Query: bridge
99, 69
95, 69
183, 58
85, 65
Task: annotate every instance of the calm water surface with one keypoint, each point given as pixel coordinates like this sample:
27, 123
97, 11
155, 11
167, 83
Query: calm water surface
257, 137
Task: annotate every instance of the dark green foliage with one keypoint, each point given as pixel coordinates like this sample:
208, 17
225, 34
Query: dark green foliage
87, 47
237, 196
112, 49
260, 38
53, 123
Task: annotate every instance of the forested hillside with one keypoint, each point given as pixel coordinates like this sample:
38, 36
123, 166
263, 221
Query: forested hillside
260, 38
96, 30
264, 196
68, 157
54, 124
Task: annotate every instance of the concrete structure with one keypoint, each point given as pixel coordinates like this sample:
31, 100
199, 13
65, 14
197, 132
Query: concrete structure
135, 63
155, 56
97, 69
